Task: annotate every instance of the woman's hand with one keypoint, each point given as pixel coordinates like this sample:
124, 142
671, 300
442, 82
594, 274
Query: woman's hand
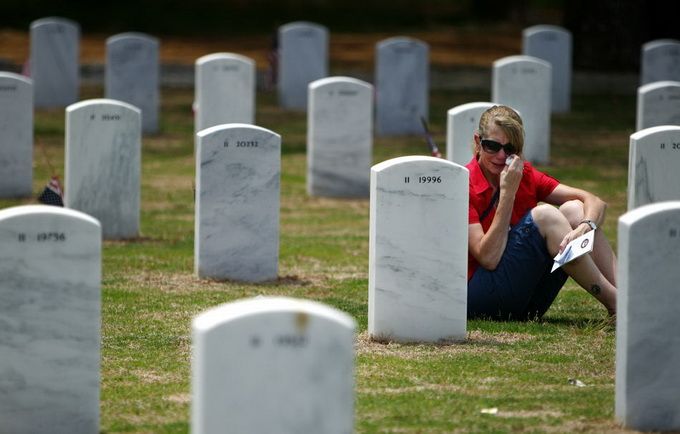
572, 235
511, 176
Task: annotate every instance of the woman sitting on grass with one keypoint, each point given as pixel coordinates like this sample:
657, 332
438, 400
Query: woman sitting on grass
512, 239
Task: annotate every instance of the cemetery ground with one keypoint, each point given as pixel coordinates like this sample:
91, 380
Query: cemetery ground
530, 372
552, 375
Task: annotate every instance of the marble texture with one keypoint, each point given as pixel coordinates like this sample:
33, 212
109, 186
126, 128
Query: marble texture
303, 58
402, 85
225, 90
653, 162
273, 365
647, 328
103, 164
554, 45
16, 135
524, 83
50, 263
660, 61
658, 104
54, 62
339, 137
417, 283
461, 123
238, 171
133, 74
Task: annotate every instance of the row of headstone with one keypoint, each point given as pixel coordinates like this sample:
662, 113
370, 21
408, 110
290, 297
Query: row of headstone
401, 75
660, 61
261, 349
16, 135
54, 60
461, 123
339, 137
524, 83
50, 263
133, 74
302, 59
252, 350
554, 45
418, 250
293, 358
102, 167
132, 68
238, 171
402, 86
653, 162
658, 103
647, 330
224, 90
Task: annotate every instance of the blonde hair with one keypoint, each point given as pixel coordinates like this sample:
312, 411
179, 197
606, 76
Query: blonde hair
507, 120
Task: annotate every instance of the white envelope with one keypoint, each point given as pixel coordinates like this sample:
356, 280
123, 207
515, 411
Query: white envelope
577, 247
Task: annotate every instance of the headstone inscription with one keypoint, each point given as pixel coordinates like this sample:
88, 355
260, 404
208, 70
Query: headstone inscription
225, 90
238, 170
418, 250
303, 58
54, 62
647, 330
273, 364
658, 103
103, 164
653, 162
660, 61
552, 44
132, 74
402, 86
524, 83
462, 122
50, 263
16, 135
339, 137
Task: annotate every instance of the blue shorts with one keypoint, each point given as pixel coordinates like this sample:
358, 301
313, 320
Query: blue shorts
521, 287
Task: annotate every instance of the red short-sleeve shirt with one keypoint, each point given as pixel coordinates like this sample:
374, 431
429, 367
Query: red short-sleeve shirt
534, 188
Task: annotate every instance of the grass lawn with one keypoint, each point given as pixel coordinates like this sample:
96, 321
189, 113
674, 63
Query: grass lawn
150, 293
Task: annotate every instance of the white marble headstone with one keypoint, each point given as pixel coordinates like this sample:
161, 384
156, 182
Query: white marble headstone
103, 164
417, 284
303, 58
658, 103
273, 365
16, 135
339, 137
225, 90
238, 171
54, 63
462, 122
653, 163
647, 326
552, 44
50, 263
132, 74
524, 83
402, 85
660, 61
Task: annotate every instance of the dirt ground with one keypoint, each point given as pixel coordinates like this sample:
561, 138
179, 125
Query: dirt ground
448, 46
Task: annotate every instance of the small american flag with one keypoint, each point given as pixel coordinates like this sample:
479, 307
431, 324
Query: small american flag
52, 194
434, 150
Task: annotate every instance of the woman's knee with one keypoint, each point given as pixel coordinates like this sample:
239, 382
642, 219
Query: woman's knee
573, 211
547, 217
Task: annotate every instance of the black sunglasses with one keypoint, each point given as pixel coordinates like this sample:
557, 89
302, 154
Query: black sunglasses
492, 146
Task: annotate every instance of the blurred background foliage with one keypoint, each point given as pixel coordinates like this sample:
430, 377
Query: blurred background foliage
607, 34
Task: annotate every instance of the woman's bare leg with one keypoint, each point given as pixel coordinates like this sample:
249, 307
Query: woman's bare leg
553, 226
602, 253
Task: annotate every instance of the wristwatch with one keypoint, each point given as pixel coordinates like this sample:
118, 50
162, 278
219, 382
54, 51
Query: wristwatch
590, 223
